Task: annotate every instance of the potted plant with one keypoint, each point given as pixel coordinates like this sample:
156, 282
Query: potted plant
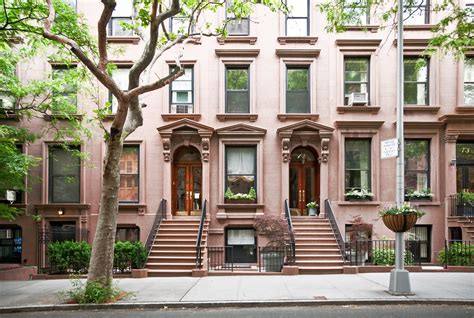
360, 232
275, 230
358, 195
415, 195
400, 219
139, 261
313, 206
249, 197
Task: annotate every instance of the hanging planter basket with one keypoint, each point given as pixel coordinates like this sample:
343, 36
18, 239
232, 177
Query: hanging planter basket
401, 222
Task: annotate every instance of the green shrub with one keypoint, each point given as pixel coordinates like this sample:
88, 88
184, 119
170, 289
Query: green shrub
69, 256
386, 256
140, 257
90, 293
458, 255
124, 252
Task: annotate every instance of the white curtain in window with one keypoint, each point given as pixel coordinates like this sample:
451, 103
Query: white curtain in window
120, 77
241, 237
241, 160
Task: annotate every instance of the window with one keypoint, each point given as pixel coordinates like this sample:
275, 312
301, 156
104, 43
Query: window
71, 3
236, 26
65, 97
123, 13
416, 81
11, 193
180, 25
120, 76
419, 242
237, 89
181, 93
127, 233
357, 164
356, 78
64, 175
358, 12
10, 244
7, 103
129, 174
416, 12
297, 89
241, 245
469, 10
469, 81
240, 169
63, 231
297, 21
417, 165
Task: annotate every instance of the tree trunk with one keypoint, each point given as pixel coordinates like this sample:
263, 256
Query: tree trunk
102, 258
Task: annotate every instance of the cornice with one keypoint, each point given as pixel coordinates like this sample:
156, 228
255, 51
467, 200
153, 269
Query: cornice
313, 53
237, 52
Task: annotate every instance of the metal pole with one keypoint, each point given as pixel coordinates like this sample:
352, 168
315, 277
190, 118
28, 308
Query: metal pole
399, 278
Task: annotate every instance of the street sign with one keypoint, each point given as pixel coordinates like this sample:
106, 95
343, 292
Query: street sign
389, 148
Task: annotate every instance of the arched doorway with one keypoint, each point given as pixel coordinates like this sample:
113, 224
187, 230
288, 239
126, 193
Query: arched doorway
304, 180
187, 180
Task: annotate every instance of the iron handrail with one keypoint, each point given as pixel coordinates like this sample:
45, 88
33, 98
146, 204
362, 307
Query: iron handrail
199, 236
460, 206
160, 215
290, 231
329, 214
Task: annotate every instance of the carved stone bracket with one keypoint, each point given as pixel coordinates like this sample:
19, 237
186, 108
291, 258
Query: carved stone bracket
451, 138
205, 146
285, 149
324, 149
166, 149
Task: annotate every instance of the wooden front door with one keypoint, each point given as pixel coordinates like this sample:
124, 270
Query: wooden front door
187, 179
304, 180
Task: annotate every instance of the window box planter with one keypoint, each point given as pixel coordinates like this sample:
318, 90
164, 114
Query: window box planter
239, 201
366, 198
358, 195
413, 199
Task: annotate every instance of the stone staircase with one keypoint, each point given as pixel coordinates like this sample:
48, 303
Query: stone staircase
174, 249
317, 251
467, 227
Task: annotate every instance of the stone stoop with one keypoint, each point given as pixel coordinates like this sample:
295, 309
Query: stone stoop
174, 249
466, 224
317, 251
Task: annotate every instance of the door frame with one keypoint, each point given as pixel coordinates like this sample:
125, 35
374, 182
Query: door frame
189, 184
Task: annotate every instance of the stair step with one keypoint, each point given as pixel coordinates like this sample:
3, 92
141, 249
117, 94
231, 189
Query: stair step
169, 272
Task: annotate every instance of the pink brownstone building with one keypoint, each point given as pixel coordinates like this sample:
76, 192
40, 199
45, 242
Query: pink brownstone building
279, 110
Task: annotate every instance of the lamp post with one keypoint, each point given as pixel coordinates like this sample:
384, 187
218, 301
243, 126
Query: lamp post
399, 277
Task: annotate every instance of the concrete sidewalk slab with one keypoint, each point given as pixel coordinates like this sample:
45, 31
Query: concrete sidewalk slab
212, 291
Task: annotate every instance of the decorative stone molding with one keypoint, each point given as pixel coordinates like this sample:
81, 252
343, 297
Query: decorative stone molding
285, 117
356, 45
421, 109
311, 40
358, 109
314, 53
237, 39
166, 149
285, 149
451, 138
170, 117
205, 146
358, 124
237, 52
241, 130
324, 149
225, 117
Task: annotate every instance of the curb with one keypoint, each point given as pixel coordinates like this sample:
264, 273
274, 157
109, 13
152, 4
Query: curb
236, 304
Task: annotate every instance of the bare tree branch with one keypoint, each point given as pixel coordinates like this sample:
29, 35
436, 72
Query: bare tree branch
109, 6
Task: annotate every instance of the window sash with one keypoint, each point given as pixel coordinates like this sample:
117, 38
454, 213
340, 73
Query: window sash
292, 20
237, 99
240, 169
421, 14
127, 192
419, 175
364, 86
298, 100
359, 13
468, 91
68, 92
64, 178
183, 85
421, 84
114, 28
357, 176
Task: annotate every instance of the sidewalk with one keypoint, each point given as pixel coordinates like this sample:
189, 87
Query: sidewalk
250, 291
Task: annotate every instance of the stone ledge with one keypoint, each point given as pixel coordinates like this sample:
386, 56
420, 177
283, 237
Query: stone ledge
358, 109
237, 39
302, 116
311, 40
225, 117
170, 117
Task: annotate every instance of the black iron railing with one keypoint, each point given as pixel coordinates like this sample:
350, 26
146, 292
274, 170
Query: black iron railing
199, 236
329, 214
292, 246
220, 258
272, 259
160, 215
382, 252
457, 253
459, 206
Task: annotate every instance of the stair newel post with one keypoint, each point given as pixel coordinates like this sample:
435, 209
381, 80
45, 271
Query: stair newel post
199, 236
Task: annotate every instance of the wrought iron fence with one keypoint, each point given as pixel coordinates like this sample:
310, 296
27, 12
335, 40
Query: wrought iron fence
382, 252
459, 206
220, 258
272, 259
457, 253
329, 214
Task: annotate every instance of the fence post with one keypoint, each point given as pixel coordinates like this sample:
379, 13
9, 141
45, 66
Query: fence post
445, 254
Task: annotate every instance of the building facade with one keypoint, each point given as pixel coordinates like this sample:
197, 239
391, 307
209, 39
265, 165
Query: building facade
278, 110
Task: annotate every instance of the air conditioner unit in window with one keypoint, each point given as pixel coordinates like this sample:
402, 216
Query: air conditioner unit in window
8, 195
358, 99
183, 109
6, 105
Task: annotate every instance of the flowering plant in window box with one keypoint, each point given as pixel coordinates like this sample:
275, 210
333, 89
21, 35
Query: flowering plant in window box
401, 219
232, 197
358, 195
418, 195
